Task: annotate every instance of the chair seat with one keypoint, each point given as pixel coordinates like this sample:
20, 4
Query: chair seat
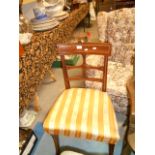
84, 113
70, 153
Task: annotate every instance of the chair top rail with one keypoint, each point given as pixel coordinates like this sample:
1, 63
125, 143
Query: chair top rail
84, 49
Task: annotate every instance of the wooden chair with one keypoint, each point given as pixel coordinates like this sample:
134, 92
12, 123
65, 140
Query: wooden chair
84, 112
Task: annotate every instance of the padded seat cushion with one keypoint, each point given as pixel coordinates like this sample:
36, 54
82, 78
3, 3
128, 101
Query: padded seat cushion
84, 113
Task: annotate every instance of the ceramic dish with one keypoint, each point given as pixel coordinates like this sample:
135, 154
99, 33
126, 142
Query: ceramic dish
60, 14
51, 1
62, 17
39, 21
46, 27
45, 24
46, 4
51, 11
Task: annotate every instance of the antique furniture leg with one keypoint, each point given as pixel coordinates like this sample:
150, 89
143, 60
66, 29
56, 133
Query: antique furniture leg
36, 102
126, 150
52, 76
111, 149
128, 145
56, 142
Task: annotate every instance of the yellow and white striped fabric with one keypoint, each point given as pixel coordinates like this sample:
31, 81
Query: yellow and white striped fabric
84, 113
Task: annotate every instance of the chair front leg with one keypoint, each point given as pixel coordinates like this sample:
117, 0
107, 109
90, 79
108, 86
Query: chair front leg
111, 149
56, 141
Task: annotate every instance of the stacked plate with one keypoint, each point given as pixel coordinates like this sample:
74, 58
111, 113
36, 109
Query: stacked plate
53, 7
61, 15
43, 24
50, 3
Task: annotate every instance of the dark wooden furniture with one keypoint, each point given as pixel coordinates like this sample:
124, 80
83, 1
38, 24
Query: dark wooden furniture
103, 49
131, 92
41, 52
123, 3
114, 4
129, 140
131, 113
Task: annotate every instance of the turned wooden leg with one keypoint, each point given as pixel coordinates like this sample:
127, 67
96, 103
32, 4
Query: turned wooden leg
56, 141
36, 102
111, 149
126, 150
52, 75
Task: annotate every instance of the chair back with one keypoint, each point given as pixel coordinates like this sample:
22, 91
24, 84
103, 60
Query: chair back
84, 49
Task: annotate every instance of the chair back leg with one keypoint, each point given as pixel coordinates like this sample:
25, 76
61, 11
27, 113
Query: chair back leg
111, 149
56, 142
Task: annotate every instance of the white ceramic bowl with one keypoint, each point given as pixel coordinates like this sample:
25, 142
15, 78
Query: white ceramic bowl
50, 11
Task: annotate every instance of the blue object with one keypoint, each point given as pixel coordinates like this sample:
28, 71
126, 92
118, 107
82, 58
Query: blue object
38, 130
42, 16
39, 13
45, 144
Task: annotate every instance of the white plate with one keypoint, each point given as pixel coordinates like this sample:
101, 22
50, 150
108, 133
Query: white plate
62, 17
46, 27
60, 14
45, 23
51, 1
46, 4
35, 21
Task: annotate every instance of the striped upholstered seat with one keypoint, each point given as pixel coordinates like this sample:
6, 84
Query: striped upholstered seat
84, 113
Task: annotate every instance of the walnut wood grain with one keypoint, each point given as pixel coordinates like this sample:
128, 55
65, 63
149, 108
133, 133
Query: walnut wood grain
84, 65
36, 102
103, 49
131, 93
